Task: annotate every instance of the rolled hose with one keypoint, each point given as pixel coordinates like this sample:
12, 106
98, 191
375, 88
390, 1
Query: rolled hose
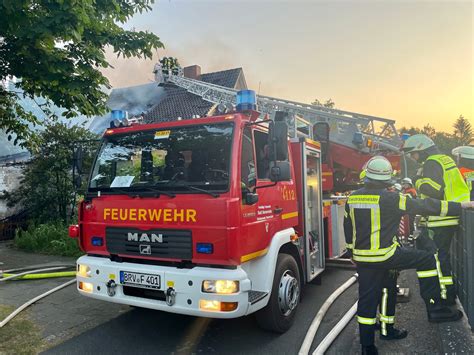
308, 340
42, 276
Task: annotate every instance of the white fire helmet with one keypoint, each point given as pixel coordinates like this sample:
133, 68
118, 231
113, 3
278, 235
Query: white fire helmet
465, 152
379, 168
417, 143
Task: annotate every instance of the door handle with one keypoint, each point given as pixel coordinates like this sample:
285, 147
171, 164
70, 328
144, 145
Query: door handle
277, 210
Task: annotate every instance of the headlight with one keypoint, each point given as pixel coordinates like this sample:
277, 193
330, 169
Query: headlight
220, 286
86, 287
83, 270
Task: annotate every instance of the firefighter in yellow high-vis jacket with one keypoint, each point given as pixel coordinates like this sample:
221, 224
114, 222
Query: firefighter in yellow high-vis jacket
371, 220
438, 178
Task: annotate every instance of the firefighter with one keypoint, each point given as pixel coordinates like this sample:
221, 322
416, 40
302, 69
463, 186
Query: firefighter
465, 160
438, 178
408, 188
371, 219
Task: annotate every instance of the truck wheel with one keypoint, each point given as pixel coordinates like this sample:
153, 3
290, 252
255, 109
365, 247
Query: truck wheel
279, 314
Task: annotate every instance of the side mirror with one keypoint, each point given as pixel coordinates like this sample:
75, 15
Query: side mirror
278, 136
280, 171
251, 198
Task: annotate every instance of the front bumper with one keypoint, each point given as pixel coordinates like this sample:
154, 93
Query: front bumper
186, 283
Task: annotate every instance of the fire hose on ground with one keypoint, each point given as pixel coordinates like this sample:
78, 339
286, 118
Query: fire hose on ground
308, 340
36, 274
30, 273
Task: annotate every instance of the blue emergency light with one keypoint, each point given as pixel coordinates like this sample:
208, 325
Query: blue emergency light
246, 100
97, 241
405, 136
204, 248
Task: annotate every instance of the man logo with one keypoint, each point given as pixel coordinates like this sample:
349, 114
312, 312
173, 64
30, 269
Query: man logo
145, 249
153, 238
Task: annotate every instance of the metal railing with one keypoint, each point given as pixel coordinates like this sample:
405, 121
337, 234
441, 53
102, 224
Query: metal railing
462, 260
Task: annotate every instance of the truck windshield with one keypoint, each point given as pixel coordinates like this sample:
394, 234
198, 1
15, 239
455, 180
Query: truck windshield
174, 159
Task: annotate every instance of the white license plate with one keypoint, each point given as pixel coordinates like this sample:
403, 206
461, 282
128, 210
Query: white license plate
136, 279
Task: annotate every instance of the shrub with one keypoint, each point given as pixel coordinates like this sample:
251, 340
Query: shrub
47, 238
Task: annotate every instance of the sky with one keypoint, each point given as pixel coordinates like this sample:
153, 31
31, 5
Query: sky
411, 61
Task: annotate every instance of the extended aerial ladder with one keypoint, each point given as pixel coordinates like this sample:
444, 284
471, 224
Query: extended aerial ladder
353, 137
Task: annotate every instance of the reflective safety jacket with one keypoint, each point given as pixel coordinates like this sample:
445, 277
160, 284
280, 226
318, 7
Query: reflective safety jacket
372, 218
468, 175
441, 179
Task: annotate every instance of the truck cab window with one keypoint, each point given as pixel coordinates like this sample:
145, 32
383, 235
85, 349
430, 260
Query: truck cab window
247, 168
263, 154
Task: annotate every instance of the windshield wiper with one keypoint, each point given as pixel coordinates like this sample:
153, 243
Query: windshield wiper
150, 188
213, 194
122, 191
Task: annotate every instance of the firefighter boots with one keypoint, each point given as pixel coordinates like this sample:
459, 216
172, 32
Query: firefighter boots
440, 314
394, 333
369, 350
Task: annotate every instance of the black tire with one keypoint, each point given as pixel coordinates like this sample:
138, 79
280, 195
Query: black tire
272, 317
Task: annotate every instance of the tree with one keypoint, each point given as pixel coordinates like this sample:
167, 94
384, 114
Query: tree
463, 133
328, 103
46, 190
56, 50
411, 131
429, 131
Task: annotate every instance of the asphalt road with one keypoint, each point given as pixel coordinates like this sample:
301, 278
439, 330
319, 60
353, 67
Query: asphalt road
146, 331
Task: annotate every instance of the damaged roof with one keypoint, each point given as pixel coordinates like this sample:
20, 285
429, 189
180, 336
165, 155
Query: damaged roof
177, 102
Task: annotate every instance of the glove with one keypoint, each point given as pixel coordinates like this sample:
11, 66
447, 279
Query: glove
467, 204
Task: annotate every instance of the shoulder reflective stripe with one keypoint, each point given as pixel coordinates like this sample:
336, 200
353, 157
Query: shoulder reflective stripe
383, 311
427, 273
378, 252
364, 199
444, 208
367, 321
444, 294
351, 212
428, 181
375, 229
402, 204
364, 205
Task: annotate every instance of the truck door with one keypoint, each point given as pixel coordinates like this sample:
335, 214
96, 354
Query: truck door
312, 203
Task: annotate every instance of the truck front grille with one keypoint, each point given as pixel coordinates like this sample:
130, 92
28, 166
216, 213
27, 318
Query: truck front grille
160, 243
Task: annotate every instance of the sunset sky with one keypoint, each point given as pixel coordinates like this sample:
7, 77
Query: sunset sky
411, 61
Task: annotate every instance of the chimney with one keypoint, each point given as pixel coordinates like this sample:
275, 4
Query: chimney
192, 72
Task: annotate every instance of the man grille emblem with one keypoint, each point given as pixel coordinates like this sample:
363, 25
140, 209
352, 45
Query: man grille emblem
145, 249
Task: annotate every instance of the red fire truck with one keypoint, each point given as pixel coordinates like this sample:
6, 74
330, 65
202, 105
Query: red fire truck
215, 217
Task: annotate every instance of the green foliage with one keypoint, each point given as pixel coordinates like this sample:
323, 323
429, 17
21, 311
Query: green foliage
49, 238
463, 131
46, 190
328, 103
462, 135
56, 49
